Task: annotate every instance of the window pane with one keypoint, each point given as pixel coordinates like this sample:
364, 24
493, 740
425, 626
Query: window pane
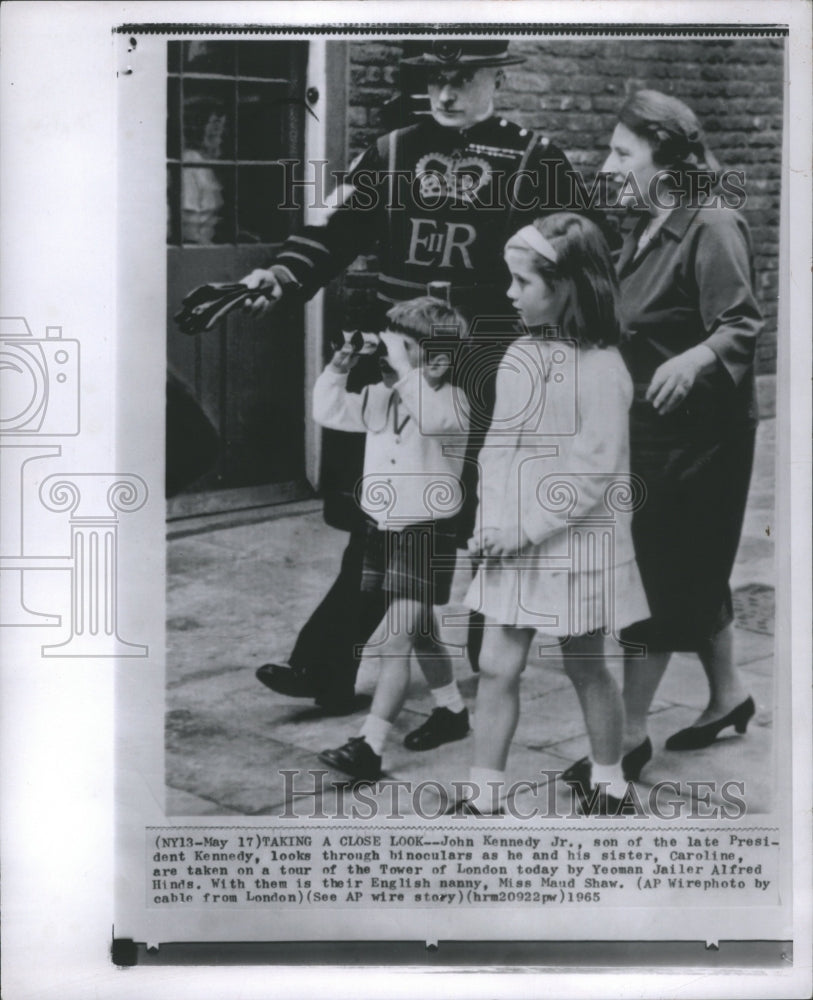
262, 109
207, 197
209, 57
267, 59
173, 56
259, 217
208, 120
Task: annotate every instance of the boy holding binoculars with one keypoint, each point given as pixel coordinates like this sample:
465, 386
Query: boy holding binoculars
409, 492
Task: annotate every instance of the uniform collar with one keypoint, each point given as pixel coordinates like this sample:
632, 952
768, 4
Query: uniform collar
469, 133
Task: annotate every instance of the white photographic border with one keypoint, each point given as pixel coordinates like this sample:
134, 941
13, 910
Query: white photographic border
60, 188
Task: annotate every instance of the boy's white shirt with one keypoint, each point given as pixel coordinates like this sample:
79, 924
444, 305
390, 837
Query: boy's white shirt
412, 474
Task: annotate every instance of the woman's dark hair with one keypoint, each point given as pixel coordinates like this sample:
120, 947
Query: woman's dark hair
590, 315
671, 128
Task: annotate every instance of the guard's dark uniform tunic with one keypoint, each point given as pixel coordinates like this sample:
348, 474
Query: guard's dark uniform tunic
435, 204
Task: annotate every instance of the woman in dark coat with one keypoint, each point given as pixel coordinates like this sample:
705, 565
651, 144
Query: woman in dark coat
685, 271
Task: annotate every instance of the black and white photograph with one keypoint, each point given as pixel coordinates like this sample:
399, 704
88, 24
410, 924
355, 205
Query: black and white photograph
418, 472
455, 147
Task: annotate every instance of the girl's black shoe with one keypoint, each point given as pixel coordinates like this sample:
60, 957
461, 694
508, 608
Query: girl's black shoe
632, 763
697, 737
592, 801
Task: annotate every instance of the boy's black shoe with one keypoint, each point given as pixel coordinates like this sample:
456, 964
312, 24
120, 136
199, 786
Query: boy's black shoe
442, 726
356, 758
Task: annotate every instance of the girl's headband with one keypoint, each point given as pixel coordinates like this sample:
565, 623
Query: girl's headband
536, 241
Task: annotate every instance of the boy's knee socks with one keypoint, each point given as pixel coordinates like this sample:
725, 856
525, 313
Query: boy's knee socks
375, 732
449, 697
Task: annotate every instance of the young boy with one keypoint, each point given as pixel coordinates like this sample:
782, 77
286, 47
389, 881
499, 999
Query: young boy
410, 491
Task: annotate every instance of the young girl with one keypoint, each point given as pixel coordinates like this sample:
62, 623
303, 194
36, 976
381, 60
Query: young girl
557, 442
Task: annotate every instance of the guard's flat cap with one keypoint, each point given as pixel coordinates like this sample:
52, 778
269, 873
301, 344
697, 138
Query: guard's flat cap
464, 53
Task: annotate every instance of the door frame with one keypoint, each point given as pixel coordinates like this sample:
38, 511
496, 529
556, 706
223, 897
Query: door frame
325, 139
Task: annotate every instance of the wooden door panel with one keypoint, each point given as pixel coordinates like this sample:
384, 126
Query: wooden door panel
247, 375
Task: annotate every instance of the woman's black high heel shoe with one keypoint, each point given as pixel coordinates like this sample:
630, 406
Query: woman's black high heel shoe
632, 763
697, 737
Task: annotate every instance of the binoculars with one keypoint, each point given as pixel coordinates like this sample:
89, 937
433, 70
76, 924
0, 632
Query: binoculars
366, 345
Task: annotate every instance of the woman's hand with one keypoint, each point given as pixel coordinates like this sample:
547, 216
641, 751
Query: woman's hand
673, 380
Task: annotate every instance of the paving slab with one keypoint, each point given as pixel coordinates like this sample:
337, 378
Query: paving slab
239, 589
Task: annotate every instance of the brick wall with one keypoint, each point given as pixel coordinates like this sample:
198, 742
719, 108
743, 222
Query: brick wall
571, 88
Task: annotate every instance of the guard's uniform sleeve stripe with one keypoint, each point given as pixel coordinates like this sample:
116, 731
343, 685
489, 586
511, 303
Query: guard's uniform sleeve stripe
399, 281
310, 243
297, 256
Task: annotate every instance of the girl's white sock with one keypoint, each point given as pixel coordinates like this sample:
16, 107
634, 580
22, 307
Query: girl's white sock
489, 789
449, 697
375, 732
611, 777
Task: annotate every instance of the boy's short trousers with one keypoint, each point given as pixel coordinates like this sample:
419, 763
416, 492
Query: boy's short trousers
416, 563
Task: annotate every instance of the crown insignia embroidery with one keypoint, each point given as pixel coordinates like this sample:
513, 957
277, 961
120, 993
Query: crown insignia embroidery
442, 176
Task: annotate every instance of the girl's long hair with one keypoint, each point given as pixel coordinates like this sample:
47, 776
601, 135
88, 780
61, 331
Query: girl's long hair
590, 315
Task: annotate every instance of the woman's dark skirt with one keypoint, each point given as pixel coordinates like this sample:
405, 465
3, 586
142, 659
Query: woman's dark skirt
687, 532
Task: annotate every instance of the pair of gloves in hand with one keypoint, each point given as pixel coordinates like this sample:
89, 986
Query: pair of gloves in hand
207, 304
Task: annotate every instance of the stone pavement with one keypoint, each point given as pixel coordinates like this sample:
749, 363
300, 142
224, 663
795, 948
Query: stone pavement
240, 585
